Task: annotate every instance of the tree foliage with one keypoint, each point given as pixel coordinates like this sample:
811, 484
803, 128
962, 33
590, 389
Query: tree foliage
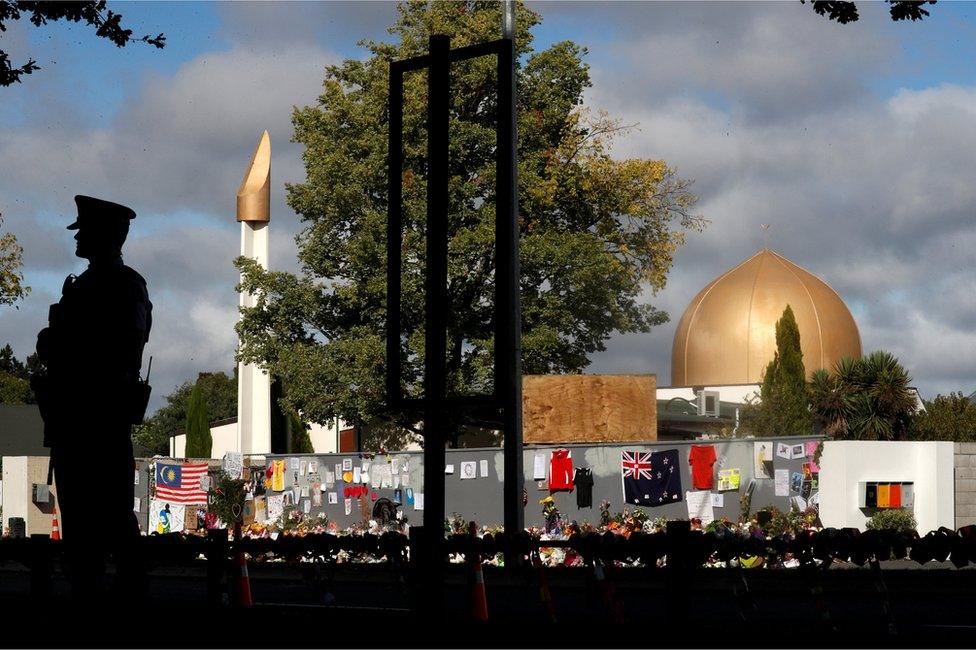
783, 409
199, 442
947, 417
15, 377
844, 12
868, 398
12, 287
107, 24
219, 392
597, 234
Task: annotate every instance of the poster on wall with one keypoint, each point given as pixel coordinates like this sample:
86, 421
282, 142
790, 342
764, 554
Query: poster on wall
729, 479
275, 507
700, 506
469, 470
763, 456
166, 517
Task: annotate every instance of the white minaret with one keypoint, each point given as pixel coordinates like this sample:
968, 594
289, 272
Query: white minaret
253, 384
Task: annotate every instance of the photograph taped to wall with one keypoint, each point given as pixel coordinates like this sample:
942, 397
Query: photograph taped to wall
798, 451
469, 470
333, 498
782, 450
347, 464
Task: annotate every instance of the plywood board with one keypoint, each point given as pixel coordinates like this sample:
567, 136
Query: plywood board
589, 408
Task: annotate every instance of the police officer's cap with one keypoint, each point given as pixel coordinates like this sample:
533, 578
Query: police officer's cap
94, 212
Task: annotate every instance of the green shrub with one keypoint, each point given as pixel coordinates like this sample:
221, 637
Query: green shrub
897, 520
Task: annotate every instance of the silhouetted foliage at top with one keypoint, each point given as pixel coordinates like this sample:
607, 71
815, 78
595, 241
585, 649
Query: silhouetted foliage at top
107, 24
846, 12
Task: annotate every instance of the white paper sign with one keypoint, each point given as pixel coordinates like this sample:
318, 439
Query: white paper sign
293, 464
539, 467
313, 467
329, 479
469, 470
333, 498
405, 479
718, 500
782, 482
418, 501
302, 466
136, 479
395, 465
233, 464
135, 505
484, 468
338, 471
357, 475
800, 503
306, 506
276, 507
700, 506
348, 503
449, 469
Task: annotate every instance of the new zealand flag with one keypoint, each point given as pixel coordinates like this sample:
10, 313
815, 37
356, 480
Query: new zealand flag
651, 478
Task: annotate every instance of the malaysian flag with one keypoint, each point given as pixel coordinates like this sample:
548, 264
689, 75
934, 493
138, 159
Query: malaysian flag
181, 483
650, 478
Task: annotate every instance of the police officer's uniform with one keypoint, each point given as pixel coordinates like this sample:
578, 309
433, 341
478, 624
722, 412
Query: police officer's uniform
92, 350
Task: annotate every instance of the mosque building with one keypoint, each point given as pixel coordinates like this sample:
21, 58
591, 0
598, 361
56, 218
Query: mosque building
727, 336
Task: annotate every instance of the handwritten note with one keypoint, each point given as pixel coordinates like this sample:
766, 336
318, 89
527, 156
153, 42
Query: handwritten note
700, 506
782, 483
484, 468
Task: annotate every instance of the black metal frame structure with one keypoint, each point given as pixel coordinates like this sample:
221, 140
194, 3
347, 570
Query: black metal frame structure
436, 404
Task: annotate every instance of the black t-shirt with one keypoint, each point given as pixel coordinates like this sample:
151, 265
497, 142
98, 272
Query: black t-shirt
583, 482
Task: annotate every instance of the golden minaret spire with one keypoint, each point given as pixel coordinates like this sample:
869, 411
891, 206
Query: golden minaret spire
254, 194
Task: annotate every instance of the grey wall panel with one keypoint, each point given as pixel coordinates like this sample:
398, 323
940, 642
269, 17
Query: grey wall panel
480, 499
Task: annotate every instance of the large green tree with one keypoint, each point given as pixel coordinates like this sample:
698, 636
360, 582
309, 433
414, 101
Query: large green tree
869, 398
199, 442
597, 234
15, 377
947, 417
219, 392
12, 287
783, 409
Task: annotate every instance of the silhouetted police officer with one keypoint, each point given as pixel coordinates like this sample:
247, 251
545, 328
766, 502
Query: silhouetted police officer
91, 394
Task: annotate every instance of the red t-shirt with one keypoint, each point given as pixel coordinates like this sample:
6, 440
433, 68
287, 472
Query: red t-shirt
701, 458
561, 470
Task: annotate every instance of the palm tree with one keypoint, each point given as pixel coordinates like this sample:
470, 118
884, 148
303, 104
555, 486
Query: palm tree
864, 399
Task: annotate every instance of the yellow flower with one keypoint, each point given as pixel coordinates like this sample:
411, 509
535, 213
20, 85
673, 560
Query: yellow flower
547, 500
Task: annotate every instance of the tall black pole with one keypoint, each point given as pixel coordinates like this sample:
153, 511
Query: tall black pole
508, 306
435, 327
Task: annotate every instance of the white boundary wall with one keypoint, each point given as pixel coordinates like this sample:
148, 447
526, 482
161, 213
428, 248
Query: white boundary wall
929, 465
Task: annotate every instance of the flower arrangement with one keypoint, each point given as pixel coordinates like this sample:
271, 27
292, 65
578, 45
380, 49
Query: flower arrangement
551, 513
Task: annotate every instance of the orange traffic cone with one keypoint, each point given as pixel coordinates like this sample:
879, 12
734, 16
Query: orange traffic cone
243, 583
55, 529
479, 601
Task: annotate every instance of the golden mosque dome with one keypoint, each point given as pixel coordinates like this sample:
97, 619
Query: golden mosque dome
727, 334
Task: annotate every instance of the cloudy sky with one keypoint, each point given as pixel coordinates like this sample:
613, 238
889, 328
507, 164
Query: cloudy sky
855, 142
